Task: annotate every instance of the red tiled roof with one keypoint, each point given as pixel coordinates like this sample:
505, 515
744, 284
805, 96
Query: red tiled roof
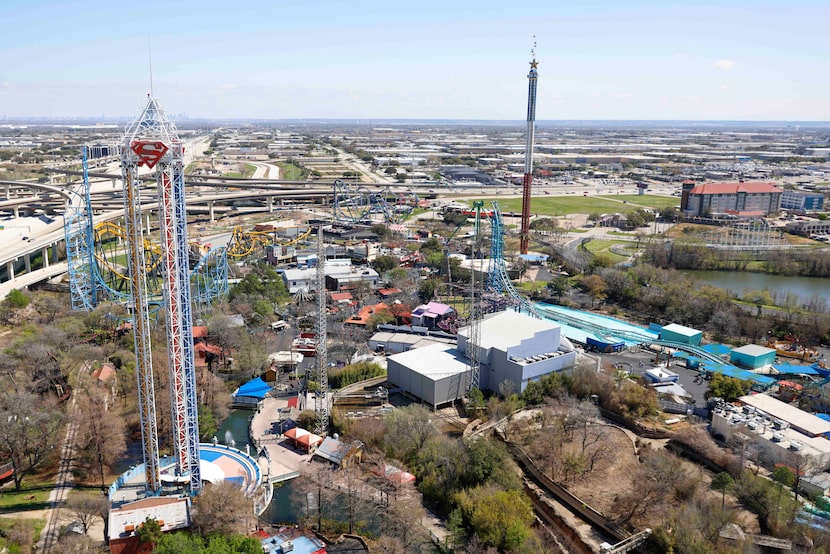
309, 440
733, 188
389, 291
202, 347
104, 373
341, 296
366, 312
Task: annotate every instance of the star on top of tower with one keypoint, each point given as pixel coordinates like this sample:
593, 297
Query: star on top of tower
534, 64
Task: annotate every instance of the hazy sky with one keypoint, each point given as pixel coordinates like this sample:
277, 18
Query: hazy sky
362, 59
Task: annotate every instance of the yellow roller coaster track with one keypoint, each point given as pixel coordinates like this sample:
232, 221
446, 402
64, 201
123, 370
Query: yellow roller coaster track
102, 231
243, 243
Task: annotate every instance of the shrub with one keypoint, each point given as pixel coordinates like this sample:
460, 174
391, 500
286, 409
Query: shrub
17, 299
353, 373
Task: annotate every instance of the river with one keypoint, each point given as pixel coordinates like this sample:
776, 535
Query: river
739, 281
281, 509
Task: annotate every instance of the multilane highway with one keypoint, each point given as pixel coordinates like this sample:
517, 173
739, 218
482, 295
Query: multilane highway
34, 237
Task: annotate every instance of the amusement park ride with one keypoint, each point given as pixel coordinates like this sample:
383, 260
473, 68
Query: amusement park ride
122, 264
152, 141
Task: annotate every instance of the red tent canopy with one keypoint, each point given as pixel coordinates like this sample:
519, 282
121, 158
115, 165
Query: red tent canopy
295, 433
309, 440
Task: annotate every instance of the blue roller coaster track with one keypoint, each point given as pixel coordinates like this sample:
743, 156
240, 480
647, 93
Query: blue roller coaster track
498, 281
93, 278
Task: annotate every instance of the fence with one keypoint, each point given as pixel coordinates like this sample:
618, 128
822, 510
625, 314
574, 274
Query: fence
685, 409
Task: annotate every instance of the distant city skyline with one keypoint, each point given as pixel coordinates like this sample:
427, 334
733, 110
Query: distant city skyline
370, 60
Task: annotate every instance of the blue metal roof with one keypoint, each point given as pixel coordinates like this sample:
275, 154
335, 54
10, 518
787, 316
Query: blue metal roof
794, 369
717, 349
737, 373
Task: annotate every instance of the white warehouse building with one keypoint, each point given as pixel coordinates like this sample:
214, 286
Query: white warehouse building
778, 430
514, 347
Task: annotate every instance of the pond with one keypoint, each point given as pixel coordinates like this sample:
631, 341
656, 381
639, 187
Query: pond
739, 281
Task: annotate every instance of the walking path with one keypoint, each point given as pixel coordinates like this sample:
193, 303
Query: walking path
58, 495
285, 462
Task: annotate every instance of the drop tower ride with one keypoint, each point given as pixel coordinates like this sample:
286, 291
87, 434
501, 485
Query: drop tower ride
152, 141
524, 233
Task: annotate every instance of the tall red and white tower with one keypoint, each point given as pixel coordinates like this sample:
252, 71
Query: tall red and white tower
152, 141
524, 233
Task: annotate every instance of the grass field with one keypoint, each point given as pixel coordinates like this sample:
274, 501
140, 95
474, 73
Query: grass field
291, 172
599, 246
33, 495
567, 205
247, 171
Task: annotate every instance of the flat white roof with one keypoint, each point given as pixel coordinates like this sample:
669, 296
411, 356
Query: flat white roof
753, 350
797, 418
300, 274
435, 362
660, 372
681, 330
174, 512
509, 328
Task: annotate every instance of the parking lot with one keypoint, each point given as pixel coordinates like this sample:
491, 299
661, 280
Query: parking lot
687, 378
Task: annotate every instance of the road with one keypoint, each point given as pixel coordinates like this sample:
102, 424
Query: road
356, 164
265, 171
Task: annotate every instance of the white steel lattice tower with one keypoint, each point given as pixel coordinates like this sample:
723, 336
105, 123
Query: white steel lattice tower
151, 140
476, 294
322, 400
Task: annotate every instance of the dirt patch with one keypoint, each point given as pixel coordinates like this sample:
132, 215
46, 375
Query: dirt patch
611, 476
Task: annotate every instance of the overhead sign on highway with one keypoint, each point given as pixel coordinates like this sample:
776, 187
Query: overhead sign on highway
149, 153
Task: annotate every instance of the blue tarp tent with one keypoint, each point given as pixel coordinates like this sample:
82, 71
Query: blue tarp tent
255, 388
794, 369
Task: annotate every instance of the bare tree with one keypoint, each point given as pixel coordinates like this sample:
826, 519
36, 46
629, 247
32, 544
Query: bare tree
402, 522
30, 431
315, 495
72, 543
659, 477
350, 483
222, 509
50, 306
101, 434
802, 466
86, 508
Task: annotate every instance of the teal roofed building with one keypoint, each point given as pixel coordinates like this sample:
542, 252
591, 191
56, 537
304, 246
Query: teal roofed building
681, 334
752, 356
